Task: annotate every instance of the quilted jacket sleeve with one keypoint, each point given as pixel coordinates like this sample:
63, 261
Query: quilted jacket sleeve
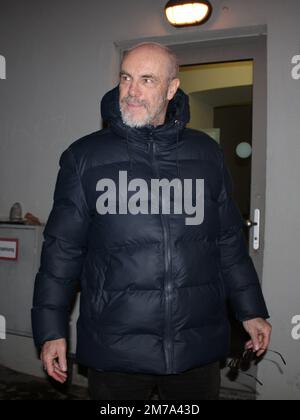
63, 253
238, 272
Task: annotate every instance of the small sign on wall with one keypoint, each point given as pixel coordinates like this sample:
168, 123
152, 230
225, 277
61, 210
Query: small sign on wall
9, 249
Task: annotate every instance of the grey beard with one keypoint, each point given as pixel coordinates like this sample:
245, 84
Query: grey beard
138, 124
135, 124
127, 120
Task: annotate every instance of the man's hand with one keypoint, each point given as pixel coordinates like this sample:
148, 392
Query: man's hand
53, 356
260, 333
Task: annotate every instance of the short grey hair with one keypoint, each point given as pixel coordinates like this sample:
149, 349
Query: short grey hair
173, 59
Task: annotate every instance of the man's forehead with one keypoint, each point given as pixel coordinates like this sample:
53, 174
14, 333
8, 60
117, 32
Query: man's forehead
149, 61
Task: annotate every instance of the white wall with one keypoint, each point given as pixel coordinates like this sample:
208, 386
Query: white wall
61, 58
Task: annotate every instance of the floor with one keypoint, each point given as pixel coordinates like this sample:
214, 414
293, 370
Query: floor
19, 386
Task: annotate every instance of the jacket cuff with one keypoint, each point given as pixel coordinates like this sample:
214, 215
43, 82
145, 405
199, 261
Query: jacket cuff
250, 304
49, 324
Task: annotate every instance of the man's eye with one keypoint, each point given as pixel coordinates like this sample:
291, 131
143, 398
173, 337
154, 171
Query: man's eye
125, 78
148, 81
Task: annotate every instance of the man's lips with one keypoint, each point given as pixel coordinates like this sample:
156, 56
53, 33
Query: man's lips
135, 105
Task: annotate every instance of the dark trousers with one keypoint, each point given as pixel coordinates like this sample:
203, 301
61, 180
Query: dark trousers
202, 383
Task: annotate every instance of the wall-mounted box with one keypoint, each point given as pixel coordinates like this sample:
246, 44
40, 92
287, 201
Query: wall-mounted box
20, 248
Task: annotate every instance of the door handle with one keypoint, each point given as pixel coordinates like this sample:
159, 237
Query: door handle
256, 231
249, 224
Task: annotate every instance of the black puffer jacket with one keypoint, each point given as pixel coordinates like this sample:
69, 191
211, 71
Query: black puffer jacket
153, 288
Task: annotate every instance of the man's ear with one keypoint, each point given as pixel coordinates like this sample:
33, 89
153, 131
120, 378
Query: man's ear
174, 85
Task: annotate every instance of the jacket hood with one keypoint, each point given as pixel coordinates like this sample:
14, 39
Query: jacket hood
178, 108
167, 135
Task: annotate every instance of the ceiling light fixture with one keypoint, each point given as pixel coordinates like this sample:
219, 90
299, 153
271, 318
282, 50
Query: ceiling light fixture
188, 13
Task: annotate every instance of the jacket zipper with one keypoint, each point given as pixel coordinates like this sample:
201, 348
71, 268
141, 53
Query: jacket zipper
168, 286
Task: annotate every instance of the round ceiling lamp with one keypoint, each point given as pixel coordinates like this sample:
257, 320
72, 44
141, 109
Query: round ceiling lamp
188, 13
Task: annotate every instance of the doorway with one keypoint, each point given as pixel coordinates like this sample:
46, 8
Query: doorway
249, 50
221, 102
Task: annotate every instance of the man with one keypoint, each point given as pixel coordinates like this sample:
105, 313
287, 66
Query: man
153, 278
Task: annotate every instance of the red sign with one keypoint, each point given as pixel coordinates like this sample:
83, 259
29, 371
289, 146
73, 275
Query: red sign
9, 249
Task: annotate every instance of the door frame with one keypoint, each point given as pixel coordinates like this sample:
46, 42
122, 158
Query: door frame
215, 46
238, 50
219, 46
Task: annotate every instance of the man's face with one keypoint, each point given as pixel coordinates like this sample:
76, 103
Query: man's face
145, 89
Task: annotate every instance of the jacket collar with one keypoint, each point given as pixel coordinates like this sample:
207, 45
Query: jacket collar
166, 135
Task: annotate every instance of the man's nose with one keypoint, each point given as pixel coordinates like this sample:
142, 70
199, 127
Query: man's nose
134, 89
